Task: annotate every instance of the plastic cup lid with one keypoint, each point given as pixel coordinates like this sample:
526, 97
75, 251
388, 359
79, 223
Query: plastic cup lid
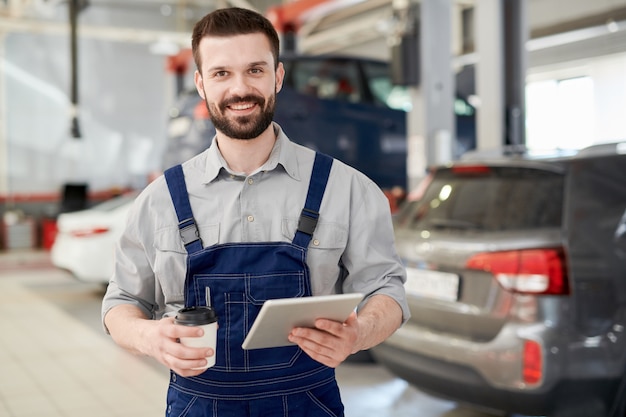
195, 316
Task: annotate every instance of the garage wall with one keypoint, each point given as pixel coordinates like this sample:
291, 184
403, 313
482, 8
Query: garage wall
122, 113
125, 92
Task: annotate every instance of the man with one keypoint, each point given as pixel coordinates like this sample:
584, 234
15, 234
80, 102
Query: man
232, 220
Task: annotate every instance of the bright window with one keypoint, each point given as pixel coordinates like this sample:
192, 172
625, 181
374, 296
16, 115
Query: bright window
560, 114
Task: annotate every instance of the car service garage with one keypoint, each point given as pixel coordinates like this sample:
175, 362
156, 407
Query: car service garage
477, 177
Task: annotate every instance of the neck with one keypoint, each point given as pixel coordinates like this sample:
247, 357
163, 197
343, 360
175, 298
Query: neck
248, 155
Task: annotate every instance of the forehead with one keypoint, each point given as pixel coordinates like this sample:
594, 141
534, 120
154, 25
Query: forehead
235, 51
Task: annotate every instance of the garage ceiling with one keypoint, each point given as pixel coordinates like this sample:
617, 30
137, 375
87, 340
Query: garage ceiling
559, 29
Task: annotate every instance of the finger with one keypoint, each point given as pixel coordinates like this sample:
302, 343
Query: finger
188, 368
329, 326
352, 319
344, 333
320, 345
315, 350
320, 337
187, 331
176, 331
335, 327
181, 351
183, 360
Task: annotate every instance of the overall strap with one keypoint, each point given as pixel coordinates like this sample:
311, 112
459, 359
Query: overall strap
186, 224
310, 212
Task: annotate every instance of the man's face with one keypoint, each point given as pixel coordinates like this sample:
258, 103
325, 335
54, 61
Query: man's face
239, 84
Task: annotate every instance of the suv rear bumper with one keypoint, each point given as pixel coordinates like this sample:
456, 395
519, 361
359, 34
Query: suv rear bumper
453, 381
488, 375
463, 384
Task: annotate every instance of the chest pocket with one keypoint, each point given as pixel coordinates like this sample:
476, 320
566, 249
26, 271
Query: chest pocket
327, 236
323, 254
170, 260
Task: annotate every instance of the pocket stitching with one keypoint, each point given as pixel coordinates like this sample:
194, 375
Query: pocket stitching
320, 404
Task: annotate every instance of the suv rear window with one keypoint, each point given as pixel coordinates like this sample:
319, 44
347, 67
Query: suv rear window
487, 199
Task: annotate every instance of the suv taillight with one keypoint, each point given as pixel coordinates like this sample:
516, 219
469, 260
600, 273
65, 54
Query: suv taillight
532, 368
529, 271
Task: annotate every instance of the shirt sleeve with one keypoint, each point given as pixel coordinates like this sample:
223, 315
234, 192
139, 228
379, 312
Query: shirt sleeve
133, 280
370, 261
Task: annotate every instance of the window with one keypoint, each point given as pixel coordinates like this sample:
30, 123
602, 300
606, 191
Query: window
384, 92
499, 199
330, 79
560, 114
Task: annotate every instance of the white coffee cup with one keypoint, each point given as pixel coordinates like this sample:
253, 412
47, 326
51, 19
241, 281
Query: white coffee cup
206, 318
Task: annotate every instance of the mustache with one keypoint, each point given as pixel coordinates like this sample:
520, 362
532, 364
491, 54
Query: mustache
245, 99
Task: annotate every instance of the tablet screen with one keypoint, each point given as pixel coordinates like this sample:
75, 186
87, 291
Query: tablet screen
277, 317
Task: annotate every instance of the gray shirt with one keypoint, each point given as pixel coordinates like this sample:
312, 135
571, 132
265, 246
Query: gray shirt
352, 249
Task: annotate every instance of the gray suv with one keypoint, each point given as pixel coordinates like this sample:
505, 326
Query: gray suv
517, 284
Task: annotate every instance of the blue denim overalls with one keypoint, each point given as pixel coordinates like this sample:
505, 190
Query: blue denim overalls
241, 276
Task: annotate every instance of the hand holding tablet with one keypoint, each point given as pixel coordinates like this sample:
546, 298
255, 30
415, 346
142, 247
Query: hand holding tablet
278, 317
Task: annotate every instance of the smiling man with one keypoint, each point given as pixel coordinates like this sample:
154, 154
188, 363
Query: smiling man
252, 218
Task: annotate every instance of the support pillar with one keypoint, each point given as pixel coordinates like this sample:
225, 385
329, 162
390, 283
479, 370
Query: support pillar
501, 35
515, 64
431, 123
4, 145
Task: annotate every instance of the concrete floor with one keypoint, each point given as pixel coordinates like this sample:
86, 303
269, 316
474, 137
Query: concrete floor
57, 362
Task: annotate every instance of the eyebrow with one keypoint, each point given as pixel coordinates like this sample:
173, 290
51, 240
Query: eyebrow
250, 65
259, 63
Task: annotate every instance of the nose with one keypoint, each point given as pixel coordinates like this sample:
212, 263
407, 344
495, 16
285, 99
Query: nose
240, 85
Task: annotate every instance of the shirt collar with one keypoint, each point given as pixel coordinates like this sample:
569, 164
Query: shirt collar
283, 154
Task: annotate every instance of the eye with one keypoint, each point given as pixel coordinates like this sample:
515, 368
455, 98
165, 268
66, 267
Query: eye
219, 74
256, 70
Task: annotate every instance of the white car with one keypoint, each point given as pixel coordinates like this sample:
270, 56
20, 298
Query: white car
85, 240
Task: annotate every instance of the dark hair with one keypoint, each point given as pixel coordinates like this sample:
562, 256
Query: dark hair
230, 22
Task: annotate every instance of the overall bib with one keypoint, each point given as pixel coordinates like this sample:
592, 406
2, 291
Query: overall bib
275, 382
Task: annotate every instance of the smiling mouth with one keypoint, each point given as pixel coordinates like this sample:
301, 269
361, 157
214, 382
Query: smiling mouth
241, 106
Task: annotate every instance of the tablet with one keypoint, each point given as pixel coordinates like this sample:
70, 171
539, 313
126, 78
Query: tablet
277, 317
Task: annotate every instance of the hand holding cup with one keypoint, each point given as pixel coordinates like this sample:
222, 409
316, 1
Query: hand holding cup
206, 318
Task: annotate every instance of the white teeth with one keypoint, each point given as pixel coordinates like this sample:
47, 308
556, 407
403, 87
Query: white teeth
241, 106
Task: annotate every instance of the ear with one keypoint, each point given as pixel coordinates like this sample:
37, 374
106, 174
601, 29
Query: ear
197, 79
280, 76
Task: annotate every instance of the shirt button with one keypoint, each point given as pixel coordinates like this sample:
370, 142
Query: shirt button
250, 218
250, 181
316, 242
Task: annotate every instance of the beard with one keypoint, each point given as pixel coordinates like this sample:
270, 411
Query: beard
242, 127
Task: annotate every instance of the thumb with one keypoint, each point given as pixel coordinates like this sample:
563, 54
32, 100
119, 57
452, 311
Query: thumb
351, 320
